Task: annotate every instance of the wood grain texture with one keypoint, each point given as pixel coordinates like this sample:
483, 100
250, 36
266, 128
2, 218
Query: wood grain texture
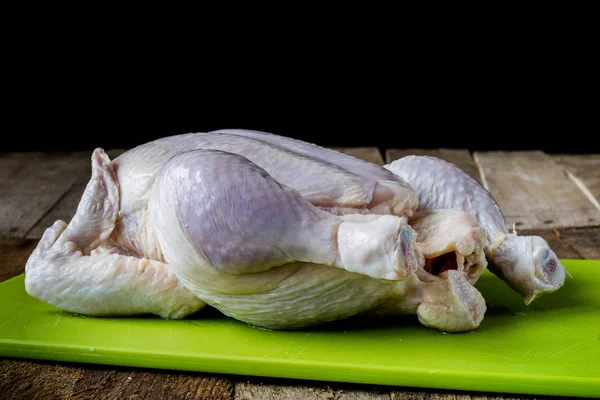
459, 157
126, 383
561, 247
65, 208
584, 241
354, 394
13, 256
461, 395
31, 184
371, 154
534, 192
26, 379
286, 389
270, 390
586, 169
37, 379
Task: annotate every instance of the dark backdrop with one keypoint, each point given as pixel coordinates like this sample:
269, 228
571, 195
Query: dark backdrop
492, 86
81, 105
83, 123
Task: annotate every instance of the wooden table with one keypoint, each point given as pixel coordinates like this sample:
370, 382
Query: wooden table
553, 196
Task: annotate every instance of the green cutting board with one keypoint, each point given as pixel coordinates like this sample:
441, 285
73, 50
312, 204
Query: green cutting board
550, 347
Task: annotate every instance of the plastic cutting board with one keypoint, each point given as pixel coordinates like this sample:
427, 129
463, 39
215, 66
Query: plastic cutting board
550, 347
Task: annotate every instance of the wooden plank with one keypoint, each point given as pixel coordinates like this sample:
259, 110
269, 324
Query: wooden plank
31, 184
585, 241
26, 379
37, 379
268, 389
363, 394
288, 389
125, 383
371, 154
13, 256
533, 191
65, 208
584, 170
459, 157
461, 395
561, 247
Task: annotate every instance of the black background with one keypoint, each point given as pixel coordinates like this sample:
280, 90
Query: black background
113, 117
540, 94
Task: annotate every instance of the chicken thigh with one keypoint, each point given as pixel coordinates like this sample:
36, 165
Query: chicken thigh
388, 193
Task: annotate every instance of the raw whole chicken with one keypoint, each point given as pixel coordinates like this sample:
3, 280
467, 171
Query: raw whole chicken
269, 230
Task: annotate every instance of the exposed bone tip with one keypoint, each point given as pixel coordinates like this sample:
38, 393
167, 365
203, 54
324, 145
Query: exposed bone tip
458, 307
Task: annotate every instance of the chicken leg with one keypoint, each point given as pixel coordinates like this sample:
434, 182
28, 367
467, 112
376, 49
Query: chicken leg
526, 263
240, 220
